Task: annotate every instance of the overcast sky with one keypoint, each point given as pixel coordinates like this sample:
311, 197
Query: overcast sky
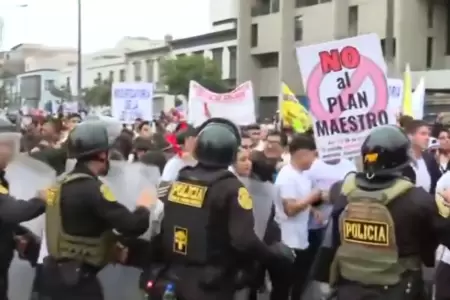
54, 22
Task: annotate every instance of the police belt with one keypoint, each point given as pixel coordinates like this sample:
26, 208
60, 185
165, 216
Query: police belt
405, 276
84, 267
412, 265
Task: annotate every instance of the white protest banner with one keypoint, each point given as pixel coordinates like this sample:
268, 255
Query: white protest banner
237, 106
130, 101
418, 100
70, 107
346, 85
395, 94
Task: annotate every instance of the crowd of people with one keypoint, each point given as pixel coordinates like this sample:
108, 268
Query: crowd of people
386, 211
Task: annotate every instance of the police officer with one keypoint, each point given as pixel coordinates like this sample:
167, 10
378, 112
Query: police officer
80, 217
13, 211
207, 231
383, 227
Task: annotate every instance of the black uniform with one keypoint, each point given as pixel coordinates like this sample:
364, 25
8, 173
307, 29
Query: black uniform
374, 257
207, 235
12, 213
81, 214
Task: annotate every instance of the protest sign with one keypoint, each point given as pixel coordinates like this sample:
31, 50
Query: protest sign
395, 94
346, 85
237, 106
418, 100
130, 101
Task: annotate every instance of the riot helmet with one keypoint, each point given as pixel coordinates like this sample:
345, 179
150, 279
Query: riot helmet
385, 152
217, 143
92, 137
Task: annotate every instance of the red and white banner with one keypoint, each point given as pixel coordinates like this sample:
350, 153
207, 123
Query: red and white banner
237, 106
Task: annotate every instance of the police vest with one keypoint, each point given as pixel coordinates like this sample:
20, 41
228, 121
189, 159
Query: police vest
93, 251
368, 252
186, 234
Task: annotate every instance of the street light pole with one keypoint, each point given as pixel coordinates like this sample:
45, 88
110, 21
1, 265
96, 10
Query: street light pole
79, 54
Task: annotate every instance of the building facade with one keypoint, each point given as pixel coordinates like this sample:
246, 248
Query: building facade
36, 89
269, 31
219, 45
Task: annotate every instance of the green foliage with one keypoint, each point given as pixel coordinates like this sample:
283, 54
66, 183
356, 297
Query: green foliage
99, 94
178, 72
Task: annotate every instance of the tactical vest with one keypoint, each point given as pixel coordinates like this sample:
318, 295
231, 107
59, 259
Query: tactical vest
93, 251
186, 231
368, 252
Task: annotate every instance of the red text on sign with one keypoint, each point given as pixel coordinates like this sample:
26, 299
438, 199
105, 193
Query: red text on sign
335, 60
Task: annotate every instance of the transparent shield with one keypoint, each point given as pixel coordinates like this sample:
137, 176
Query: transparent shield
316, 290
37, 175
127, 181
263, 194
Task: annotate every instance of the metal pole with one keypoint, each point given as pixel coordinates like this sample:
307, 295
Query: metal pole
79, 55
389, 41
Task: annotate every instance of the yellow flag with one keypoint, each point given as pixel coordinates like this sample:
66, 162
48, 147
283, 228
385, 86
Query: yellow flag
293, 112
407, 93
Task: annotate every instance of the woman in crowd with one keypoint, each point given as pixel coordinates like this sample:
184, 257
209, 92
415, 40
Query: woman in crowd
443, 152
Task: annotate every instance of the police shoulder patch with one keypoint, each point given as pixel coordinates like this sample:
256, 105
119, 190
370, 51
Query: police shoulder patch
244, 199
443, 209
3, 190
107, 193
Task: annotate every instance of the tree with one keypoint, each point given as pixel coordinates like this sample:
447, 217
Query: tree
178, 72
99, 94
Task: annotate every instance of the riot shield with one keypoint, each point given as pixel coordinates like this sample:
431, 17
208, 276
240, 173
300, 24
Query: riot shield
26, 176
263, 194
314, 289
127, 181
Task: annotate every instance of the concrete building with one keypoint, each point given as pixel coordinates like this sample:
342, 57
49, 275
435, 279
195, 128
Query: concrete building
219, 45
16, 59
269, 30
36, 89
108, 64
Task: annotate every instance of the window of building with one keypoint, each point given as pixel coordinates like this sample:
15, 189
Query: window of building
353, 20
254, 35
298, 29
383, 46
149, 68
430, 13
217, 55
268, 60
48, 84
233, 61
274, 6
122, 75
111, 76
304, 3
137, 70
429, 52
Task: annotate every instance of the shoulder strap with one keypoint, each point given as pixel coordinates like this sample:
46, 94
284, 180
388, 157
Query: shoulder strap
400, 187
74, 176
349, 184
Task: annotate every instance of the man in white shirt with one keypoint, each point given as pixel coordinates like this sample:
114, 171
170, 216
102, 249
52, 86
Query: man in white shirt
293, 208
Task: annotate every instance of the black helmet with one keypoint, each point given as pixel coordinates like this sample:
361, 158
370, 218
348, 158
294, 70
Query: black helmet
385, 151
88, 138
218, 141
